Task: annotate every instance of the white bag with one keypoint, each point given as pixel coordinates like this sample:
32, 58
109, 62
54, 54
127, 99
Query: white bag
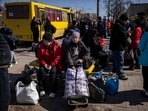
26, 94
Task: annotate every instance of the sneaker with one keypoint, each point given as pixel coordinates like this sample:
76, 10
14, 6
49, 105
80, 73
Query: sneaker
123, 77
15, 62
52, 95
42, 93
10, 65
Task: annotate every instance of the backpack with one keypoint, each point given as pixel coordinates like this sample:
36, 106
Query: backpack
53, 29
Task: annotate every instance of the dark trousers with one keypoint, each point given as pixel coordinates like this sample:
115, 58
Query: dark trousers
4, 89
135, 59
47, 79
103, 59
145, 77
35, 37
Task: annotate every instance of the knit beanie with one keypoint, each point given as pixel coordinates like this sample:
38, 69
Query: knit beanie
47, 36
75, 34
123, 17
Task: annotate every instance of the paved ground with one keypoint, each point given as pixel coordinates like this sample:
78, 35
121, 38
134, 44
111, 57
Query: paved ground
127, 99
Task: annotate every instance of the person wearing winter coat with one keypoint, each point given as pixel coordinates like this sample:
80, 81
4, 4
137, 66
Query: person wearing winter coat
12, 41
143, 60
118, 44
48, 27
76, 51
96, 50
64, 45
5, 61
135, 39
35, 29
48, 56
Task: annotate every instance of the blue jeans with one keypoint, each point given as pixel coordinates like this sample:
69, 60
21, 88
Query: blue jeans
118, 62
4, 89
13, 56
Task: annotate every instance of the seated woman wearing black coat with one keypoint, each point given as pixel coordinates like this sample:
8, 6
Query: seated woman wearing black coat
96, 50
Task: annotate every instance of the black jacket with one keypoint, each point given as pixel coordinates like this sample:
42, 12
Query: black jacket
118, 40
49, 27
5, 54
94, 46
12, 41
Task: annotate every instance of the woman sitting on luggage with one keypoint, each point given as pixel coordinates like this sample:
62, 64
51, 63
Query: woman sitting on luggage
96, 50
48, 56
76, 51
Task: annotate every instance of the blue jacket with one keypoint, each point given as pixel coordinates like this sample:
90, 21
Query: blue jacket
143, 46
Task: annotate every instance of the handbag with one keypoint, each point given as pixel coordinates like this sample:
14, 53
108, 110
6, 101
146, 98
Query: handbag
111, 84
96, 93
26, 94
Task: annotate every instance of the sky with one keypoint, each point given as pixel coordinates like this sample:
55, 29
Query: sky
86, 5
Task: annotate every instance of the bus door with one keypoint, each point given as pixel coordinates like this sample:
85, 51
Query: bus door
42, 19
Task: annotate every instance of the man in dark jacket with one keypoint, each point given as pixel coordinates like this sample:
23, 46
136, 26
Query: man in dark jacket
5, 56
118, 43
12, 41
49, 27
34, 28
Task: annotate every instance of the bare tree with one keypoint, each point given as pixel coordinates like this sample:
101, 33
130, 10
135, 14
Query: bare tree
114, 8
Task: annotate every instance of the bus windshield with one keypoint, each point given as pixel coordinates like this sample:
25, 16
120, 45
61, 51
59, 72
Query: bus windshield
17, 12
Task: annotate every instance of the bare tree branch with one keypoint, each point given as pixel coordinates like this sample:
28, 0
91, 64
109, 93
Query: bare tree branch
115, 7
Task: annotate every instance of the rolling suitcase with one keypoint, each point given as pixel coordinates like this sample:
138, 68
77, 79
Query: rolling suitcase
76, 87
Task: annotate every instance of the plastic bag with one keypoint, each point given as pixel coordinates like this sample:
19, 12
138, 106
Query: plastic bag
26, 94
111, 84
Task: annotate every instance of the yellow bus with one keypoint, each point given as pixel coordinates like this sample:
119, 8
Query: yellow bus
18, 16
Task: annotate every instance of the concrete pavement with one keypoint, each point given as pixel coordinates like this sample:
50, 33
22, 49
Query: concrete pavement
128, 97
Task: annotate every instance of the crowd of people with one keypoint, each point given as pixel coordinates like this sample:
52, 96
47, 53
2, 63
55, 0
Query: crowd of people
81, 41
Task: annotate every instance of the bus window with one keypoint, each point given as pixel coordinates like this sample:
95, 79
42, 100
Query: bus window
52, 15
42, 18
47, 12
17, 12
58, 15
36, 11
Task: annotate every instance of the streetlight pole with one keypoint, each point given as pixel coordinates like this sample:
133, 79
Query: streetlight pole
98, 7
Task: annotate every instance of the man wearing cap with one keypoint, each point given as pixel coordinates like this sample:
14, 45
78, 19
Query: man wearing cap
48, 56
118, 43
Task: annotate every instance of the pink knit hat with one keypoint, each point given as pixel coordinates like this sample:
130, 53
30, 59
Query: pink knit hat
75, 34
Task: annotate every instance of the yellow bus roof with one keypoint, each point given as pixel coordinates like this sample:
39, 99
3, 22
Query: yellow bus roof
42, 5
